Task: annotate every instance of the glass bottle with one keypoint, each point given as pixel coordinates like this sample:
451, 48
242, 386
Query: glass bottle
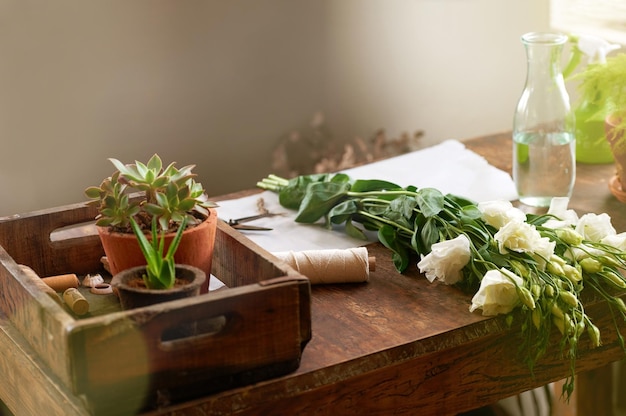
544, 145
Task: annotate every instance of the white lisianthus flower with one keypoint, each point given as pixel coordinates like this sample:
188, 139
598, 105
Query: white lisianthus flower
446, 259
499, 213
543, 249
595, 227
519, 236
617, 241
582, 252
497, 293
566, 217
524, 238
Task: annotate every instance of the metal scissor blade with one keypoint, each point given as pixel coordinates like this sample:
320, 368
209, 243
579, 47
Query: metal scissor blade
249, 227
238, 223
252, 218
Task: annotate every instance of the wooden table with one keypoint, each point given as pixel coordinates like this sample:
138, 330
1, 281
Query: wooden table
395, 345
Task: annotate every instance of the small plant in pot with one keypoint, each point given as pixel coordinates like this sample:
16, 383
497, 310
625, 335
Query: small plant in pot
150, 193
604, 86
161, 279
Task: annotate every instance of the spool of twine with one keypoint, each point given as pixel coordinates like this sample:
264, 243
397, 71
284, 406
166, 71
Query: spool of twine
62, 282
331, 266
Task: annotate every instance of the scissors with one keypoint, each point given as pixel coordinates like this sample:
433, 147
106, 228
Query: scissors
238, 223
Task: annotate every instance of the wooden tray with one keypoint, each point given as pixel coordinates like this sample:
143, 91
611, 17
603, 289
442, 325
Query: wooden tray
255, 329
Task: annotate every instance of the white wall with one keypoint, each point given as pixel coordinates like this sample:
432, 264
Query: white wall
218, 83
454, 68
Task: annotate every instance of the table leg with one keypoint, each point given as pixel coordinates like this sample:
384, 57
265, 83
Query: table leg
594, 392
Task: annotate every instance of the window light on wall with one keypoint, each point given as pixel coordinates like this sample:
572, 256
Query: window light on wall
603, 18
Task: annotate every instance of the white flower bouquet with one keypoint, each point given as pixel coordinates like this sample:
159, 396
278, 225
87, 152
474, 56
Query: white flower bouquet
529, 267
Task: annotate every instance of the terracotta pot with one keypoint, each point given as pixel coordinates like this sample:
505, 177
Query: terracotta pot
134, 296
195, 249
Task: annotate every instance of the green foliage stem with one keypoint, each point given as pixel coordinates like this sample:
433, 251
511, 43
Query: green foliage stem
161, 268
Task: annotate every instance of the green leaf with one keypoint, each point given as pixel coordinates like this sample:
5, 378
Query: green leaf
176, 241
404, 205
429, 233
354, 231
118, 165
143, 172
343, 211
340, 178
92, 192
470, 213
186, 205
388, 236
320, 198
430, 201
460, 201
171, 191
155, 164
162, 200
361, 185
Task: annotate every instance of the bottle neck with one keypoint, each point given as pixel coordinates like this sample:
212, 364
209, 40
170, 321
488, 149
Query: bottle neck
544, 63
544, 103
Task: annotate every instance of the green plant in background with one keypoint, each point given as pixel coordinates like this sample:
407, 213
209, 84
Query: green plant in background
604, 85
591, 142
160, 266
167, 193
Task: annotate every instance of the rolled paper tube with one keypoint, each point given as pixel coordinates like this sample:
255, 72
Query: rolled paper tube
62, 282
76, 301
331, 266
39, 283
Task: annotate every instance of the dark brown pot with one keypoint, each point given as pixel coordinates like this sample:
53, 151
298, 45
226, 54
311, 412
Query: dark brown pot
196, 248
133, 295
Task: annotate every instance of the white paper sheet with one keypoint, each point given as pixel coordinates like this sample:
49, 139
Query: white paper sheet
447, 166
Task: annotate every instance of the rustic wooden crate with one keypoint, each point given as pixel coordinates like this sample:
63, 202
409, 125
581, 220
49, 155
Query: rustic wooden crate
255, 329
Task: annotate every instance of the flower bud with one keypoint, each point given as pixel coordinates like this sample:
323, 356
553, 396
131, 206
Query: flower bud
572, 273
556, 311
557, 259
555, 268
526, 297
536, 317
620, 304
568, 325
535, 289
610, 261
559, 322
594, 335
562, 285
614, 278
520, 268
569, 298
580, 327
590, 265
569, 236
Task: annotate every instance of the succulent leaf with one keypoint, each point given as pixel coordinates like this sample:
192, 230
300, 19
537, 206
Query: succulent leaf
170, 194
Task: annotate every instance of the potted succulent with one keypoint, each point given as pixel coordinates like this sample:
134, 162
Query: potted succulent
161, 279
149, 194
604, 86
